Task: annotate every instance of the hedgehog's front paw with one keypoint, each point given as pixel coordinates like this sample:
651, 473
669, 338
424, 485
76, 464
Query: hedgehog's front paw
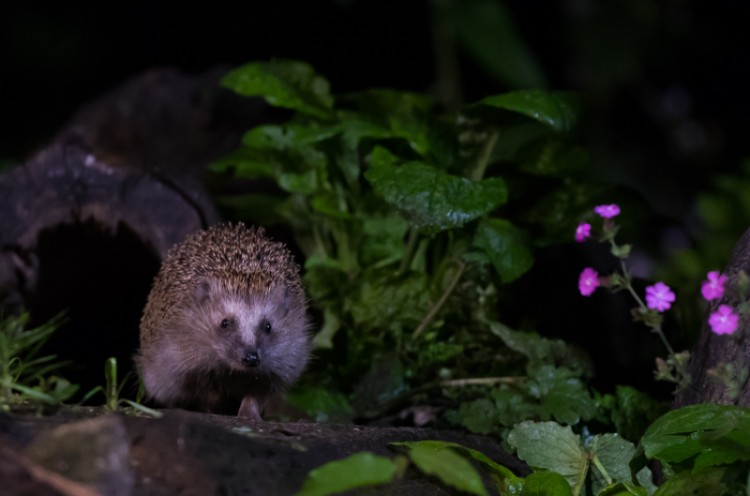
250, 408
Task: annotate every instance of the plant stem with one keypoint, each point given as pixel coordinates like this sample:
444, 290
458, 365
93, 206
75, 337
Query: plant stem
656, 329
598, 464
484, 157
411, 244
439, 304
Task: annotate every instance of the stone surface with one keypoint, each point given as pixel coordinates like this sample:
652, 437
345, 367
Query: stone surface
187, 453
95, 452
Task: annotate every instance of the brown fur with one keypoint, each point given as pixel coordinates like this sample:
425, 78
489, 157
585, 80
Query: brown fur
224, 299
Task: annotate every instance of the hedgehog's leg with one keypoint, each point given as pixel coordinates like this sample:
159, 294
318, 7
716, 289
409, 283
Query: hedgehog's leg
250, 408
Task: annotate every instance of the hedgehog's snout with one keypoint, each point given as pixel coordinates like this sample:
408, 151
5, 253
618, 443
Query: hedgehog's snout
251, 358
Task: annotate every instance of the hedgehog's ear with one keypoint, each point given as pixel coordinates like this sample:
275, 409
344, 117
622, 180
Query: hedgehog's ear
202, 291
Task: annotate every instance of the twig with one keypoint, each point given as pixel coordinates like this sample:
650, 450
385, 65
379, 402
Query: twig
439, 304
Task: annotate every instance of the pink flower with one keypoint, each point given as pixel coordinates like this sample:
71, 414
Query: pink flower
723, 320
659, 297
607, 211
588, 281
713, 288
583, 231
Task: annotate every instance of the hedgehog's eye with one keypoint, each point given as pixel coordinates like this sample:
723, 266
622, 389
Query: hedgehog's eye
225, 323
267, 327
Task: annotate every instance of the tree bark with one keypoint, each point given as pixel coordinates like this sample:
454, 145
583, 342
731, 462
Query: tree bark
711, 350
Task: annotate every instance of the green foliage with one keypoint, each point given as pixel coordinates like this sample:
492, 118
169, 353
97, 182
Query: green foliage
700, 436
702, 449
359, 470
25, 376
112, 391
413, 224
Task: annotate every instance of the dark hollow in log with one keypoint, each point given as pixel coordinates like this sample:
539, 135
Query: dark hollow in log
85, 222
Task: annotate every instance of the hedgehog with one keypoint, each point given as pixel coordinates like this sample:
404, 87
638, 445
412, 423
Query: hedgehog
225, 327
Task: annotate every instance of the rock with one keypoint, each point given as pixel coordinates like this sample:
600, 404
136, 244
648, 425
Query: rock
95, 452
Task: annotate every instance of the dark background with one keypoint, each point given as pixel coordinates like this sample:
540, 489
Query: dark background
664, 82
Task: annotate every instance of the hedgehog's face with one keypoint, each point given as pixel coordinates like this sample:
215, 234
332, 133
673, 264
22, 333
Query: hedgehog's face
259, 334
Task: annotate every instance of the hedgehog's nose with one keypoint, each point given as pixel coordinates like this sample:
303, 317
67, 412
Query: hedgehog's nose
251, 359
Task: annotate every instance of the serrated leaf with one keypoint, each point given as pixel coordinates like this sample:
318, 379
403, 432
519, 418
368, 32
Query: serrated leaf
545, 483
557, 110
284, 83
433, 200
713, 434
438, 459
479, 416
506, 246
550, 446
359, 470
614, 454
561, 394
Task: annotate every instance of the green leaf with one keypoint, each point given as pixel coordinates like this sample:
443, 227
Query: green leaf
404, 115
384, 239
612, 454
506, 247
321, 404
513, 406
438, 459
324, 337
561, 394
708, 481
634, 412
479, 416
488, 33
622, 489
249, 163
284, 83
288, 136
713, 434
382, 302
540, 350
507, 481
555, 109
546, 484
550, 446
359, 470
430, 199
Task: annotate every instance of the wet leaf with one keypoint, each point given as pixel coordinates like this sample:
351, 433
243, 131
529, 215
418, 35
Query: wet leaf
359, 470
555, 109
550, 446
506, 247
430, 199
284, 83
